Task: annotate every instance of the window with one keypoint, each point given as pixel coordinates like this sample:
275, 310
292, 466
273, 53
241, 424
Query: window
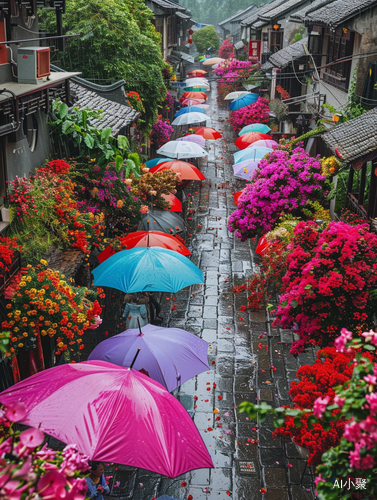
339, 46
276, 40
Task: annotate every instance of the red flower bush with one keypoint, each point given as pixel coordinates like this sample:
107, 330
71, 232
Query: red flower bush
330, 283
8, 249
227, 49
330, 370
255, 113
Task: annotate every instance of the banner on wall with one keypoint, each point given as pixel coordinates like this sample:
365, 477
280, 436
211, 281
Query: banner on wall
255, 50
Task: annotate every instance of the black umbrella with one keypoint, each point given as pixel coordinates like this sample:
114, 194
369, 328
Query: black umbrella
162, 220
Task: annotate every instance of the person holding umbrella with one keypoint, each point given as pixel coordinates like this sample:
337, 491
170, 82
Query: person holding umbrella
135, 309
96, 482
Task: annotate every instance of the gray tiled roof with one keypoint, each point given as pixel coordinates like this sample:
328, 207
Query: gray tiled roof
238, 14
283, 57
253, 17
115, 115
280, 10
166, 4
332, 13
182, 16
355, 138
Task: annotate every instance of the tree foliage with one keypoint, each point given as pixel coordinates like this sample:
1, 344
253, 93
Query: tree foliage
117, 40
205, 38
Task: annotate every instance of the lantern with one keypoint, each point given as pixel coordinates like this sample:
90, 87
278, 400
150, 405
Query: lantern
189, 40
276, 26
190, 31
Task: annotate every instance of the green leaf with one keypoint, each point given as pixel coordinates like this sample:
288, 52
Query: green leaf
123, 142
130, 168
66, 126
118, 163
294, 303
369, 347
89, 141
279, 422
105, 134
298, 422
63, 110
308, 287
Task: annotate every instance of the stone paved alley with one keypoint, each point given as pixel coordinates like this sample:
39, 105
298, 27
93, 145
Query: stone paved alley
245, 455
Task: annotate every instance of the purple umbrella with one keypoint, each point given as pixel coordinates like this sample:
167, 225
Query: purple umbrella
264, 143
193, 138
171, 356
245, 169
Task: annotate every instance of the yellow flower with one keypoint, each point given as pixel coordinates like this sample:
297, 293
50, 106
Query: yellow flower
60, 344
16, 329
10, 315
25, 334
22, 283
44, 262
20, 344
43, 332
17, 313
28, 278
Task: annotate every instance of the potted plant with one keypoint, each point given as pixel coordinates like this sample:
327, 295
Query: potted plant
5, 210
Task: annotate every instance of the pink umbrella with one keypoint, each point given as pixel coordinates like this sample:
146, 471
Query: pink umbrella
204, 106
113, 414
193, 138
264, 143
193, 102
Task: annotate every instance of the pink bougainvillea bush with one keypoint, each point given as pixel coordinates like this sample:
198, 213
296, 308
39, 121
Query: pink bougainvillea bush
354, 460
330, 283
255, 113
226, 50
161, 132
231, 74
284, 182
29, 470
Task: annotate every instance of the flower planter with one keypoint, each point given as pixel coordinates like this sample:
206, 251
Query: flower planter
5, 215
304, 452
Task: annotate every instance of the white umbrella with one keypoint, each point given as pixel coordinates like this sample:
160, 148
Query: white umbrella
182, 149
233, 95
197, 82
189, 118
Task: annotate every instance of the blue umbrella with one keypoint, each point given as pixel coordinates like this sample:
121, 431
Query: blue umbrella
189, 109
251, 154
243, 100
255, 127
151, 269
156, 161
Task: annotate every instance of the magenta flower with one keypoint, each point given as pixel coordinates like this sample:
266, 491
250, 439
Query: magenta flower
16, 412
32, 438
320, 405
51, 486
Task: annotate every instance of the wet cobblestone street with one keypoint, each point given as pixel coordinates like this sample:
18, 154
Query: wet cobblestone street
243, 348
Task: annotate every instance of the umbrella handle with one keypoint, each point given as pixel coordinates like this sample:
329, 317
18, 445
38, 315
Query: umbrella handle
136, 355
138, 322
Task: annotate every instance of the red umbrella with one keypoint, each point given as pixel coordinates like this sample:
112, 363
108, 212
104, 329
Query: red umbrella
237, 196
208, 133
175, 204
194, 95
246, 139
197, 72
187, 171
154, 239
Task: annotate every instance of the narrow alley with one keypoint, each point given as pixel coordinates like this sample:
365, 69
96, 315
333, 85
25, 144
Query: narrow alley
243, 348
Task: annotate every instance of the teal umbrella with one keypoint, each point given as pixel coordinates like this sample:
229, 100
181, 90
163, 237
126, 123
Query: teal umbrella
255, 127
157, 161
151, 269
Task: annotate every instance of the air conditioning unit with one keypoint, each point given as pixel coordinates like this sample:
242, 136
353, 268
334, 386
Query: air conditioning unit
33, 64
